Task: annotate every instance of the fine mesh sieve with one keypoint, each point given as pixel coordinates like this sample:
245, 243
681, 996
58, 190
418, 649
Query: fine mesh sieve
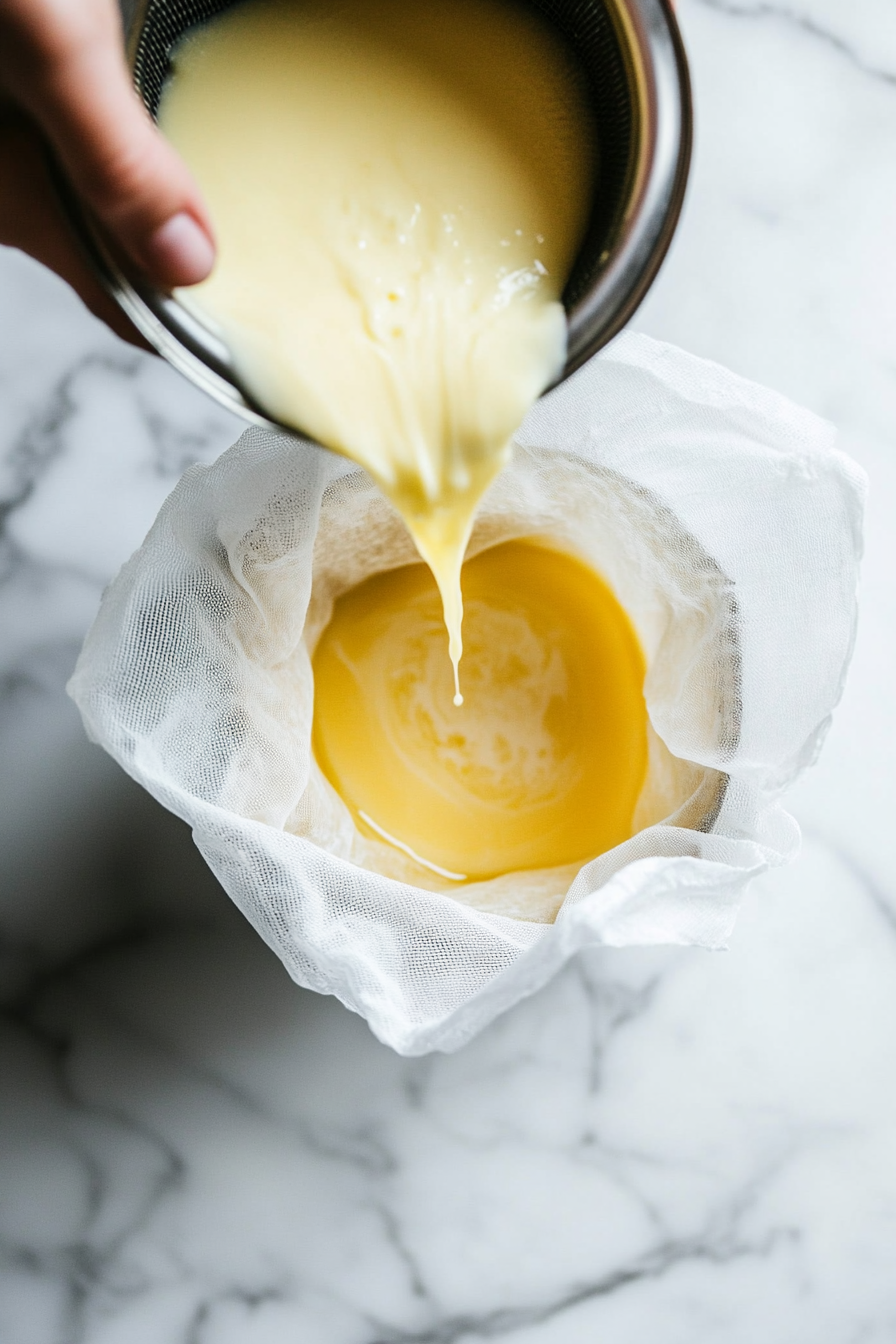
635, 75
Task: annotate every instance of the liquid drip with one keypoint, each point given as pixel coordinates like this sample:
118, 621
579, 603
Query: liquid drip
398, 191
543, 764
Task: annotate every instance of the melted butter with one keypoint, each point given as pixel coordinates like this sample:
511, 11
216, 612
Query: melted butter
399, 191
543, 764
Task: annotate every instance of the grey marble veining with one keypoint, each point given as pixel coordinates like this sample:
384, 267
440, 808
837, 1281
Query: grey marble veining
664, 1146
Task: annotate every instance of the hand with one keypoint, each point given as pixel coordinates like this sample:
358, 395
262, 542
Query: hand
63, 81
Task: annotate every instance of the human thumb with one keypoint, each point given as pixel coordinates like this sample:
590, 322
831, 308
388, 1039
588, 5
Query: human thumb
67, 68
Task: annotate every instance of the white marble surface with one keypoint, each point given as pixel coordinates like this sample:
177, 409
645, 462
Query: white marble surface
663, 1147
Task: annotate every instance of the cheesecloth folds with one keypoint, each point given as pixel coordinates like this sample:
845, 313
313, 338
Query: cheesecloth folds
730, 529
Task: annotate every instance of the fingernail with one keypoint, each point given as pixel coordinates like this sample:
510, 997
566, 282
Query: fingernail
180, 252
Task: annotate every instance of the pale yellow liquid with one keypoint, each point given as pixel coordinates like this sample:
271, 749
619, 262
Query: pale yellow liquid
543, 764
399, 190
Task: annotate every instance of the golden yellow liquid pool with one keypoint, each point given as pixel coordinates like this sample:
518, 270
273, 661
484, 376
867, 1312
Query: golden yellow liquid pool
399, 191
543, 763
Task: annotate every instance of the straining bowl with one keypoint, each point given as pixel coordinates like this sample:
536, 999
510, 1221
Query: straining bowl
636, 79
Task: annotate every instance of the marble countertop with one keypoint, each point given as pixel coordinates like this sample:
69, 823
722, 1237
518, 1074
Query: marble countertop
668, 1146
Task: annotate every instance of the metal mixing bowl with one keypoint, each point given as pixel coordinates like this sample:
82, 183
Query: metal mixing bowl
636, 77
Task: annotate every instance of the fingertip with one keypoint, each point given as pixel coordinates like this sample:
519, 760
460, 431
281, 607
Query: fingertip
179, 252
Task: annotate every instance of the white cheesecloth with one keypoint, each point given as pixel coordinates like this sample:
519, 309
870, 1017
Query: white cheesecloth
728, 526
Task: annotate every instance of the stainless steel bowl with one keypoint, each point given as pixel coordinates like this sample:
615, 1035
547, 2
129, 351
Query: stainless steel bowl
636, 77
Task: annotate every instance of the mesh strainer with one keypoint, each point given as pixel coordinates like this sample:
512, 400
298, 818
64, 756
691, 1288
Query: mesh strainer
636, 76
